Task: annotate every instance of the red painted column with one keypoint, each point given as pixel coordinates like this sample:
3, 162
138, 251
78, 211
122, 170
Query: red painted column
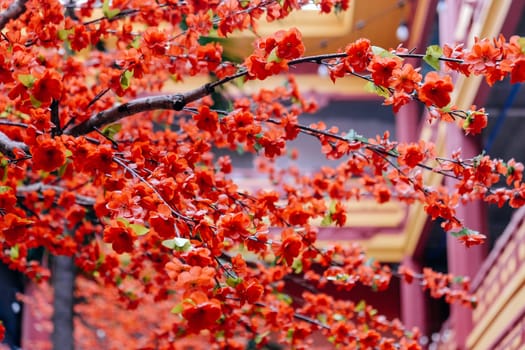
407, 123
413, 307
465, 261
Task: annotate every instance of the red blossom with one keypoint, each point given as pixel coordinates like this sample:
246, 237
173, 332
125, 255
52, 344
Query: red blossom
120, 236
436, 90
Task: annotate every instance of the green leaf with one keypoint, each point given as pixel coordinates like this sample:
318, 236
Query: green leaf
338, 317
432, 55
352, 135
379, 51
521, 41
140, 230
27, 80
360, 306
125, 79
464, 232
63, 34
36, 103
124, 221
297, 265
14, 253
272, 57
4, 164
178, 244
327, 220
68, 153
111, 130
177, 309
62, 169
136, 42
233, 281
257, 147
378, 90
260, 336
109, 13
284, 297
4, 189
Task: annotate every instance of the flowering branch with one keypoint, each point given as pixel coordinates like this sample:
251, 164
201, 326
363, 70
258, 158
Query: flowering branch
7, 146
13, 11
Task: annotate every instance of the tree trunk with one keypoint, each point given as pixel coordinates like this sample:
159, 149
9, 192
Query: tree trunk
63, 272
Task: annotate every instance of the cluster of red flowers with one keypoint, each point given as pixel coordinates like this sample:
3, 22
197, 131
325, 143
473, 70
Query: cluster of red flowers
272, 54
146, 210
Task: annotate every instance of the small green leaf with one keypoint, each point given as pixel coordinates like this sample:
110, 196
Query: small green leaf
4, 189
14, 253
36, 103
360, 306
5, 169
379, 51
233, 281
285, 298
338, 317
177, 309
352, 135
257, 147
69, 153
521, 42
27, 80
125, 79
432, 55
272, 57
62, 169
178, 244
140, 230
370, 262
64, 33
327, 220
464, 232
109, 13
260, 336
297, 265
136, 42
111, 130
124, 221
378, 90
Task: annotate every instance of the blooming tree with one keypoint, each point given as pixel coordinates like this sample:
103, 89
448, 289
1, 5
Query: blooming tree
102, 168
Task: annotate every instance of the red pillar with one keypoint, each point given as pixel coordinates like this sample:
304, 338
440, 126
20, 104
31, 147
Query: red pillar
413, 307
407, 123
463, 261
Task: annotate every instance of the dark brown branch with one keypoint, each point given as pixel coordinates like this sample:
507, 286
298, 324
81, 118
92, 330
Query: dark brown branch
7, 146
13, 12
55, 119
173, 102
21, 191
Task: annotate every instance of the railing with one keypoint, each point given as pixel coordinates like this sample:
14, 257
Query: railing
499, 318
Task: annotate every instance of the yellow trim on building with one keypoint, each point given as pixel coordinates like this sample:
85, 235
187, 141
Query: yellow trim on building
500, 309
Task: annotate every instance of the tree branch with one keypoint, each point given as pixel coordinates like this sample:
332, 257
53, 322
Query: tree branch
39, 187
173, 102
13, 11
7, 146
